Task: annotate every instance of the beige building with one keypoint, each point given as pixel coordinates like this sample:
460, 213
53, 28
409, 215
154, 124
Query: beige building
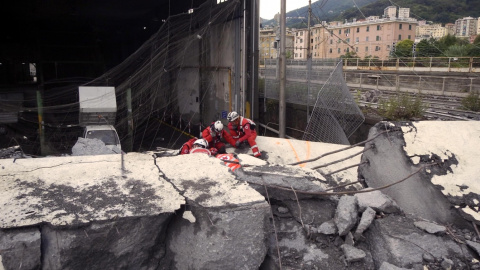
368, 38
450, 28
269, 45
403, 13
301, 43
430, 31
390, 12
466, 27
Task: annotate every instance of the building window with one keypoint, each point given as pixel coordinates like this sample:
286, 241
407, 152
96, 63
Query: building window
366, 39
348, 40
357, 39
400, 26
378, 27
409, 27
366, 48
301, 33
358, 29
338, 50
340, 31
399, 37
356, 49
331, 51
388, 47
296, 55
300, 55
409, 37
368, 28
348, 49
377, 48
378, 38
331, 41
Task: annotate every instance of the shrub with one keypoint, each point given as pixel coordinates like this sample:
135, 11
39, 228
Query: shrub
471, 102
403, 107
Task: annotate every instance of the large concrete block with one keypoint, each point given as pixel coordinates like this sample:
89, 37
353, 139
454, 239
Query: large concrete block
136, 243
396, 240
388, 163
20, 249
228, 238
229, 227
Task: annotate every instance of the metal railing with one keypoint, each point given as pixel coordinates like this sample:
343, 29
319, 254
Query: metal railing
430, 64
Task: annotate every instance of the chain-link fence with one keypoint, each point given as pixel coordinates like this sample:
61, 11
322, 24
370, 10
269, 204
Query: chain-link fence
321, 85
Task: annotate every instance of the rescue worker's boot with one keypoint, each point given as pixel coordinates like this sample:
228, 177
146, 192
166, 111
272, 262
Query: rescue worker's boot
256, 152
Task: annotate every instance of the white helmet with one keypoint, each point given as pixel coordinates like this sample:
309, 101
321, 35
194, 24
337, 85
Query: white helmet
202, 143
217, 126
232, 116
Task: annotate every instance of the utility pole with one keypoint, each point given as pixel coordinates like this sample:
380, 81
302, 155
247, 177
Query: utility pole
282, 104
309, 59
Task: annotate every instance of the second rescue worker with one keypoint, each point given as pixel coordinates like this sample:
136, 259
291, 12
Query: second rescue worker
243, 129
214, 134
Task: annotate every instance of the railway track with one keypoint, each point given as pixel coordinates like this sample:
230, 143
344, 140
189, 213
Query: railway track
438, 107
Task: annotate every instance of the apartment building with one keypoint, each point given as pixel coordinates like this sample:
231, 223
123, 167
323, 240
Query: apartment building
403, 13
450, 28
390, 12
268, 43
430, 31
369, 37
301, 43
466, 27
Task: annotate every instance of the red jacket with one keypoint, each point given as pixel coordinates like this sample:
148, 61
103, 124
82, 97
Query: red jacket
186, 147
201, 151
214, 137
244, 130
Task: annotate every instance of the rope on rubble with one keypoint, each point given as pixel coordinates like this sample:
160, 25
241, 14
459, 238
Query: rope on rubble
324, 193
339, 150
343, 159
345, 168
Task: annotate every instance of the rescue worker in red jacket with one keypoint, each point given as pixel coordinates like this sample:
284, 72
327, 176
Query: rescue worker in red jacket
186, 147
214, 134
243, 129
200, 146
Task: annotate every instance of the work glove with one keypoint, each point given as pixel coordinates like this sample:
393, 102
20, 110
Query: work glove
237, 143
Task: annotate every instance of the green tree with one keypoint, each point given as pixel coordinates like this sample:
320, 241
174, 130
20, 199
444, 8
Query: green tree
349, 54
404, 48
476, 41
428, 48
458, 50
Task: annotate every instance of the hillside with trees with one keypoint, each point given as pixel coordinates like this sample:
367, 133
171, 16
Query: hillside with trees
322, 10
438, 11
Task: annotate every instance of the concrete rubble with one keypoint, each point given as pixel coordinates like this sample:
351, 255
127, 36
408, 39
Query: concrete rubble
156, 211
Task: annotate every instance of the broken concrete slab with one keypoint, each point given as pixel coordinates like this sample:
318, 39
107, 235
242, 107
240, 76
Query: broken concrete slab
388, 163
92, 188
430, 227
328, 227
474, 245
220, 238
230, 217
388, 266
367, 217
118, 244
20, 248
456, 145
346, 215
353, 254
288, 151
396, 240
376, 200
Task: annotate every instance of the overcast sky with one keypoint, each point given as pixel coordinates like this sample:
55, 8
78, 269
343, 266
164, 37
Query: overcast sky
268, 8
